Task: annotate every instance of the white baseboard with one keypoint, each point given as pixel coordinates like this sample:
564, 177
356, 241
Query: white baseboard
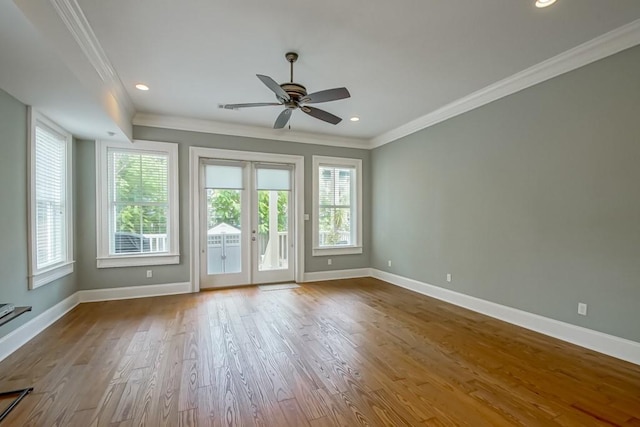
318, 276
20, 336
603, 343
143, 291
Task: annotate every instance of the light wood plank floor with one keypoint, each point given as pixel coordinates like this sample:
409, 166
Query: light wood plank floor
343, 353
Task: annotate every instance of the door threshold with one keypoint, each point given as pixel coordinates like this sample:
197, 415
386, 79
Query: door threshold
278, 286
222, 288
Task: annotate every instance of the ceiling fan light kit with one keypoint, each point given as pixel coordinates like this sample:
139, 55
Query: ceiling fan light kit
544, 3
294, 96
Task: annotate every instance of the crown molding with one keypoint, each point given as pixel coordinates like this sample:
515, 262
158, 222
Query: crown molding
210, 126
605, 45
78, 26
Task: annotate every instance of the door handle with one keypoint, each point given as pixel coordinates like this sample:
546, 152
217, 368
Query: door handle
253, 239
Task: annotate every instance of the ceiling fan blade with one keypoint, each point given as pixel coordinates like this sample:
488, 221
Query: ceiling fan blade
275, 87
254, 104
322, 115
282, 119
326, 95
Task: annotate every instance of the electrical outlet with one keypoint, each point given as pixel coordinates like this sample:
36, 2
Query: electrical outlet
329, 261
149, 274
582, 309
389, 263
449, 277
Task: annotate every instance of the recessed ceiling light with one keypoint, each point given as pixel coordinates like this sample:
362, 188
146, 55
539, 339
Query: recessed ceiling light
544, 3
355, 119
141, 86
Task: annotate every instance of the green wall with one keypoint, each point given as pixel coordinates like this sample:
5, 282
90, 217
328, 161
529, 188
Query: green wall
532, 201
13, 220
92, 277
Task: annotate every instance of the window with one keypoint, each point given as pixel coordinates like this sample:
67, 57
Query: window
137, 203
337, 206
50, 203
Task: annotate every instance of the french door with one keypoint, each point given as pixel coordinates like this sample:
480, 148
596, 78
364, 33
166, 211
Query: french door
246, 227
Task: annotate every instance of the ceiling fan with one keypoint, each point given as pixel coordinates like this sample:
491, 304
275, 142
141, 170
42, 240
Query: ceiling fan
293, 95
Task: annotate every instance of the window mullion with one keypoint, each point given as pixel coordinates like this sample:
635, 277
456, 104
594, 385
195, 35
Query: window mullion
334, 206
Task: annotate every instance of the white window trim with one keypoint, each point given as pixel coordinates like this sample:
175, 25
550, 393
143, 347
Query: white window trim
337, 250
39, 277
104, 259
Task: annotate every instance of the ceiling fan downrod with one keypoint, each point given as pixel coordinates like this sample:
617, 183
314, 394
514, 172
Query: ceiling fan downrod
291, 57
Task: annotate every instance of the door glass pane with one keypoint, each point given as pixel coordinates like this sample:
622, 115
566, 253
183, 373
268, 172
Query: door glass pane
273, 230
224, 245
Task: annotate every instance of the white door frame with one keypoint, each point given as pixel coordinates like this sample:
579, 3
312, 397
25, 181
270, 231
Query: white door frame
198, 153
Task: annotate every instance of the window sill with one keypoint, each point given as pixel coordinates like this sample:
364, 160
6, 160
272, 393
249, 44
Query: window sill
337, 250
137, 260
43, 277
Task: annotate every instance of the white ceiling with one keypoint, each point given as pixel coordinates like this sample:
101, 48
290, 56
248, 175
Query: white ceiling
33, 72
400, 60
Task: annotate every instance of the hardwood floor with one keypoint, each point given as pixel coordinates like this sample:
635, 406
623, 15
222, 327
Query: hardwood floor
343, 353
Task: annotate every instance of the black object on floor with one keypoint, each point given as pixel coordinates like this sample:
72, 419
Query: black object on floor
22, 393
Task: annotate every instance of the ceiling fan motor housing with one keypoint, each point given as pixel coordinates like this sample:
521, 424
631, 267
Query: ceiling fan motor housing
295, 90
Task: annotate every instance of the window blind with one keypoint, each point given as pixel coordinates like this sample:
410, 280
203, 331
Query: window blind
227, 177
273, 179
335, 186
50, 189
